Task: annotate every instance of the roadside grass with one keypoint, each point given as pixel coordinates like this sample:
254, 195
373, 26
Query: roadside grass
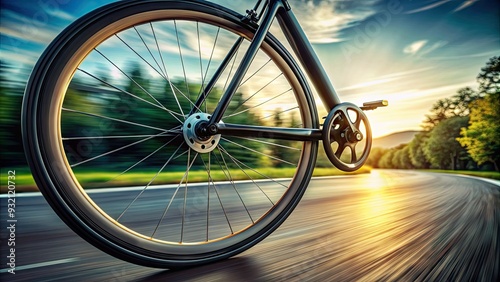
485, 174
24, 181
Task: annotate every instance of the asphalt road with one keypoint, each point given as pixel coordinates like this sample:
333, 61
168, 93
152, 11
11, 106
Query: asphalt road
390, 225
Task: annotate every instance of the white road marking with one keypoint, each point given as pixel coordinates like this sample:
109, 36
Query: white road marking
41, 264
173, 186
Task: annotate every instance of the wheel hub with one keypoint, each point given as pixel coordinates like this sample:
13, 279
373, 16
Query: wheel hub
190, 131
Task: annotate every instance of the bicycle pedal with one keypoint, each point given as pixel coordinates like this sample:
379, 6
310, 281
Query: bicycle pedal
367, 106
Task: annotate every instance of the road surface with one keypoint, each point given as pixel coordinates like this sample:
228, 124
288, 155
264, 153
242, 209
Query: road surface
390, 225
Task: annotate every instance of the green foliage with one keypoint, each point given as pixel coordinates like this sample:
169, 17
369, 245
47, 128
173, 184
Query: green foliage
10, 120
417, 156
375, 156
401, 158
442, 149
489, 77
458, 105
386, 160
482, 136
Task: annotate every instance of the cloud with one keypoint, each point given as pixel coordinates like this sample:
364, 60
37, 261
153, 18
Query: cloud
433, 47
422, 47
323, 21
25, 29
388, 78
464, 56
61, 15
367, 84
464, 5
428, 7
414, 47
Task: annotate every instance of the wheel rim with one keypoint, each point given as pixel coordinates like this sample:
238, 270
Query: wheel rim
166, 236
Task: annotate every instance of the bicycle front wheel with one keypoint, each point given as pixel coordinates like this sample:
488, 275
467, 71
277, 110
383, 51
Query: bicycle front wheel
107, 121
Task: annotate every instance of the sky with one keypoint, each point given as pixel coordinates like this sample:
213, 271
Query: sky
409, 52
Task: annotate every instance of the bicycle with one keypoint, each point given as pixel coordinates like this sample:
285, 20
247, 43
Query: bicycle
218, 141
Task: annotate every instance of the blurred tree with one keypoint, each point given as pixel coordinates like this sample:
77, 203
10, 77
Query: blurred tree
416, 151
11, 95
489, 77
401, 158
375, 156
482, 136
138, 84
462, 101
458, 105
441, 148
387, 158
439, 112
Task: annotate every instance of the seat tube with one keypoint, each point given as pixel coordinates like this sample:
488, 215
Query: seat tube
308, 58
257, 40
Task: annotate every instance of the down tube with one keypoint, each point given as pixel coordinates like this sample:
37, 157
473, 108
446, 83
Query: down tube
257, 40
308, 58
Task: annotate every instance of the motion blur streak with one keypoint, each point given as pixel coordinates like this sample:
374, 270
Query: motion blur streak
389, 225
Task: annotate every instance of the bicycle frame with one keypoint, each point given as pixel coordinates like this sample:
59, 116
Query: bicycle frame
301, 46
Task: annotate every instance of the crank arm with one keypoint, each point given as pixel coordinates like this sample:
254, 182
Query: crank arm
295, 134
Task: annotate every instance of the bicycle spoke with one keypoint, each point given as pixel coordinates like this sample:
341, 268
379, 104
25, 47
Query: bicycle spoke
116, 150
222, 67
210, 179
185, 195
204, 91
131, 79
230, 72
252, 169
211, 54
165, 69
166, 79
173, 196
253, 180
132, 95
143, 159
231, 180
149, 51
222, 205
253, 74
114, 119
182, 59
149, 183
140, 56
209, 176
275, 114
111, 137
258, 91
265, 102
260, 153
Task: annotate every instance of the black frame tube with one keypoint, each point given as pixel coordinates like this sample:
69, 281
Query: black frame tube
259, 37
216, 76
284, 133
308, 58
